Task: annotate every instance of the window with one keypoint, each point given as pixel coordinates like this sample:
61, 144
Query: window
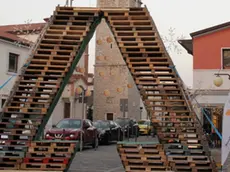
13, 62
69, 123
226, 58
112, 124
109, 116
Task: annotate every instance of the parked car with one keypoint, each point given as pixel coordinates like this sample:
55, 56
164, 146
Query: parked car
71, 129
145, 127
108, 131
130, 126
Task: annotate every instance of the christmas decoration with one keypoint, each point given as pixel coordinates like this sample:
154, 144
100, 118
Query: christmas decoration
107, 93
129, 85
88, 93
109, 39
100, 58
101, 74
119, 90
99, 42
78, 90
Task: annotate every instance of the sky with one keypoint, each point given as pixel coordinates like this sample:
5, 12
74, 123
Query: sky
185, 16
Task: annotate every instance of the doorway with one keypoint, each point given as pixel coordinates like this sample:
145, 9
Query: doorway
109, 116
67, 110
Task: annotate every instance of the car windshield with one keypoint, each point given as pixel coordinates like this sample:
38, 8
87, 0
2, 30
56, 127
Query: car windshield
69, 123
122, 121
144, 122
101, 124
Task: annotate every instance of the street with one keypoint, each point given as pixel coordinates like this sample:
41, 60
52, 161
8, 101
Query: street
104, 159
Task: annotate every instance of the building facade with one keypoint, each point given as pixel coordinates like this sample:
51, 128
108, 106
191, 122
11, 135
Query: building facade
115, 93
15, 41
211, 55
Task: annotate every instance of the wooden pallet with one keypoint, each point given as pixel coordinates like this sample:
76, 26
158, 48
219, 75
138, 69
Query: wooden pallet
48, 155
11, 154
9, 166
146, 168
51, 149
53, 144
37, 166
46, 160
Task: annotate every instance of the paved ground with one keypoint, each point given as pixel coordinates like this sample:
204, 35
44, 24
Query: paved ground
106, 158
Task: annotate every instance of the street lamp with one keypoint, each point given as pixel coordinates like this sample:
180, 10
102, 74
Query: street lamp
218, 81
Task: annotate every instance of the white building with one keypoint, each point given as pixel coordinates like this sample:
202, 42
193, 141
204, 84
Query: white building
14, 48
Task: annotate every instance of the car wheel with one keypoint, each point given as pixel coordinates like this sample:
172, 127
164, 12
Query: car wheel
95, 143
107, 139
121, 138
149, 133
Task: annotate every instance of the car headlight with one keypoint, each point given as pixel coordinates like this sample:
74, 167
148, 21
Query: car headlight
71, 135
47, 135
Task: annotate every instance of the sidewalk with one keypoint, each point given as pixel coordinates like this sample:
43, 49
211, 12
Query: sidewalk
216, 153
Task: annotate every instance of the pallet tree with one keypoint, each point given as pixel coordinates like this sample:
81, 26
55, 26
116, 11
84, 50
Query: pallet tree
55, 56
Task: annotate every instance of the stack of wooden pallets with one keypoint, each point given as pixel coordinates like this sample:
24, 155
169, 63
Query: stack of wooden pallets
43, 155
142, 156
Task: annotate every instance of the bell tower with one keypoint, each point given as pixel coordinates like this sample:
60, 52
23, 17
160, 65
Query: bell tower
115, 93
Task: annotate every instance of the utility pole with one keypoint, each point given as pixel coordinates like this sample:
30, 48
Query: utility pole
83, 116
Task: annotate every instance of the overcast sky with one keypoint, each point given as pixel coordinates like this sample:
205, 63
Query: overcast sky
185, 16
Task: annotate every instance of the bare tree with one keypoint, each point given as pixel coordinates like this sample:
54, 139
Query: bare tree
170, 41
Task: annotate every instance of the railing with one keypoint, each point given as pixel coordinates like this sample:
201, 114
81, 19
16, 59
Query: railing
187, 96
191, 109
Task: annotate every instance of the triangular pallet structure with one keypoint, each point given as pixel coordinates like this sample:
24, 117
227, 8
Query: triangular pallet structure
53, 60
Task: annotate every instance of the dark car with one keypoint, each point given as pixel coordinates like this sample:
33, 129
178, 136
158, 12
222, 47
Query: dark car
130, 126
71, 129
108, 131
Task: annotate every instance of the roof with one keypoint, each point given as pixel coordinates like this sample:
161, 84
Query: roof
211, 29
76, 77
11, 32
187, 44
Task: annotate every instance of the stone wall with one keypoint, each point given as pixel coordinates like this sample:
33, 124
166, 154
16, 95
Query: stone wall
113, 3
111, 72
